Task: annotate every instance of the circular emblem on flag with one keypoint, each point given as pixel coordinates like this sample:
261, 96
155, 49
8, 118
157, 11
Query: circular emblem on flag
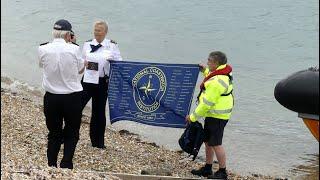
149, 86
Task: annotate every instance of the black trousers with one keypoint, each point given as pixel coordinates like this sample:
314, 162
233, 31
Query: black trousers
59, 107
99, 94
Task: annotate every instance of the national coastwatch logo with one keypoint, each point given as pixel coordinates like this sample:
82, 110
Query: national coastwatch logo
149, 86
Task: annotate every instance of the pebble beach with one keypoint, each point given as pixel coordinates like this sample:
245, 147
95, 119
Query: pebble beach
24, 141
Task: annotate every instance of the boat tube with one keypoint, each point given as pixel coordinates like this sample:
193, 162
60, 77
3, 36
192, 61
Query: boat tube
299, 92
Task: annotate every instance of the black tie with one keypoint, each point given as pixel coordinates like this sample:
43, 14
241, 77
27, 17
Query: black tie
94, 48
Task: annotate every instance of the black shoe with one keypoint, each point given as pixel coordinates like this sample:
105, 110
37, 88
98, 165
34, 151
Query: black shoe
66, 165
202, 172
52, 164
100, 147
219, 175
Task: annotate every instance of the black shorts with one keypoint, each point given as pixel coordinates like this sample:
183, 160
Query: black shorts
213, 130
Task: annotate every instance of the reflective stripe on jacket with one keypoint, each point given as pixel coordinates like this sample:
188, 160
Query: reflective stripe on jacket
211, 103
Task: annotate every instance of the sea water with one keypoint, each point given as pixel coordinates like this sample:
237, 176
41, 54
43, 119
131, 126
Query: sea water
265, 41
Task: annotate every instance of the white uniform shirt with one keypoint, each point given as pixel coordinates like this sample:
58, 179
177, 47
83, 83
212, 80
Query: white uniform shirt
61, 63
108, 50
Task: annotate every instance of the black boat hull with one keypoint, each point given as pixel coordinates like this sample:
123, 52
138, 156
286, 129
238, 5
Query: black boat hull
299, 92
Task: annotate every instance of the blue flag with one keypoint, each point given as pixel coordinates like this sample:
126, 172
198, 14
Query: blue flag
151, 93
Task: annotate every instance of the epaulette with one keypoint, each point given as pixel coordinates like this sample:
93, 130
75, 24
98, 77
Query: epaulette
75, 43
89, 40
112, 41
44, 43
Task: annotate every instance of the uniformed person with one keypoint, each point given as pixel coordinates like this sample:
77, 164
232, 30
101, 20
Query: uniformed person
62, 65
215, 104
95, 81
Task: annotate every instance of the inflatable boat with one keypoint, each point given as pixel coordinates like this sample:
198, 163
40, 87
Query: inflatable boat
299, 92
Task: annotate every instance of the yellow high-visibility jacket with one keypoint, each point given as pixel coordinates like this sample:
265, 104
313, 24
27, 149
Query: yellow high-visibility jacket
216, 100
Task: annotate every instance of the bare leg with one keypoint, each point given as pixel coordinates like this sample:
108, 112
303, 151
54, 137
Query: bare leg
221, 156
209, 154
207, 169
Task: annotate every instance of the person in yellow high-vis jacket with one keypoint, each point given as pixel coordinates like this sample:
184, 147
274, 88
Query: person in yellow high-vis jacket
215, 103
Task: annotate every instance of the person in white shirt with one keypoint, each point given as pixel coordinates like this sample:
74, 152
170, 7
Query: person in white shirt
62, 65
95, 80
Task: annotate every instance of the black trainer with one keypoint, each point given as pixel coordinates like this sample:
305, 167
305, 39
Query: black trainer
219, 175
202, 172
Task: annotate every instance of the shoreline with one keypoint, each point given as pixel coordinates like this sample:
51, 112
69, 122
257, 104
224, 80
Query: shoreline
24, 141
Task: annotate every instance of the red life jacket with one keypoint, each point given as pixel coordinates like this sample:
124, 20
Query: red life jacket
225, 71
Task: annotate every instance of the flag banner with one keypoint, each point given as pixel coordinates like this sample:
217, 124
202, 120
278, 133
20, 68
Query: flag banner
151, 93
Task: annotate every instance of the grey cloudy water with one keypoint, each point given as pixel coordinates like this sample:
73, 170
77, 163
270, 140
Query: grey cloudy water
265, 41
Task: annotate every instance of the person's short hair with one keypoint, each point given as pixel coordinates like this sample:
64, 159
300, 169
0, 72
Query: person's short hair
59, 34
101, 22
219, 57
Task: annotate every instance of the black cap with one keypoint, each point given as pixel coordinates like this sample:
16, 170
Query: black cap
62, 25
